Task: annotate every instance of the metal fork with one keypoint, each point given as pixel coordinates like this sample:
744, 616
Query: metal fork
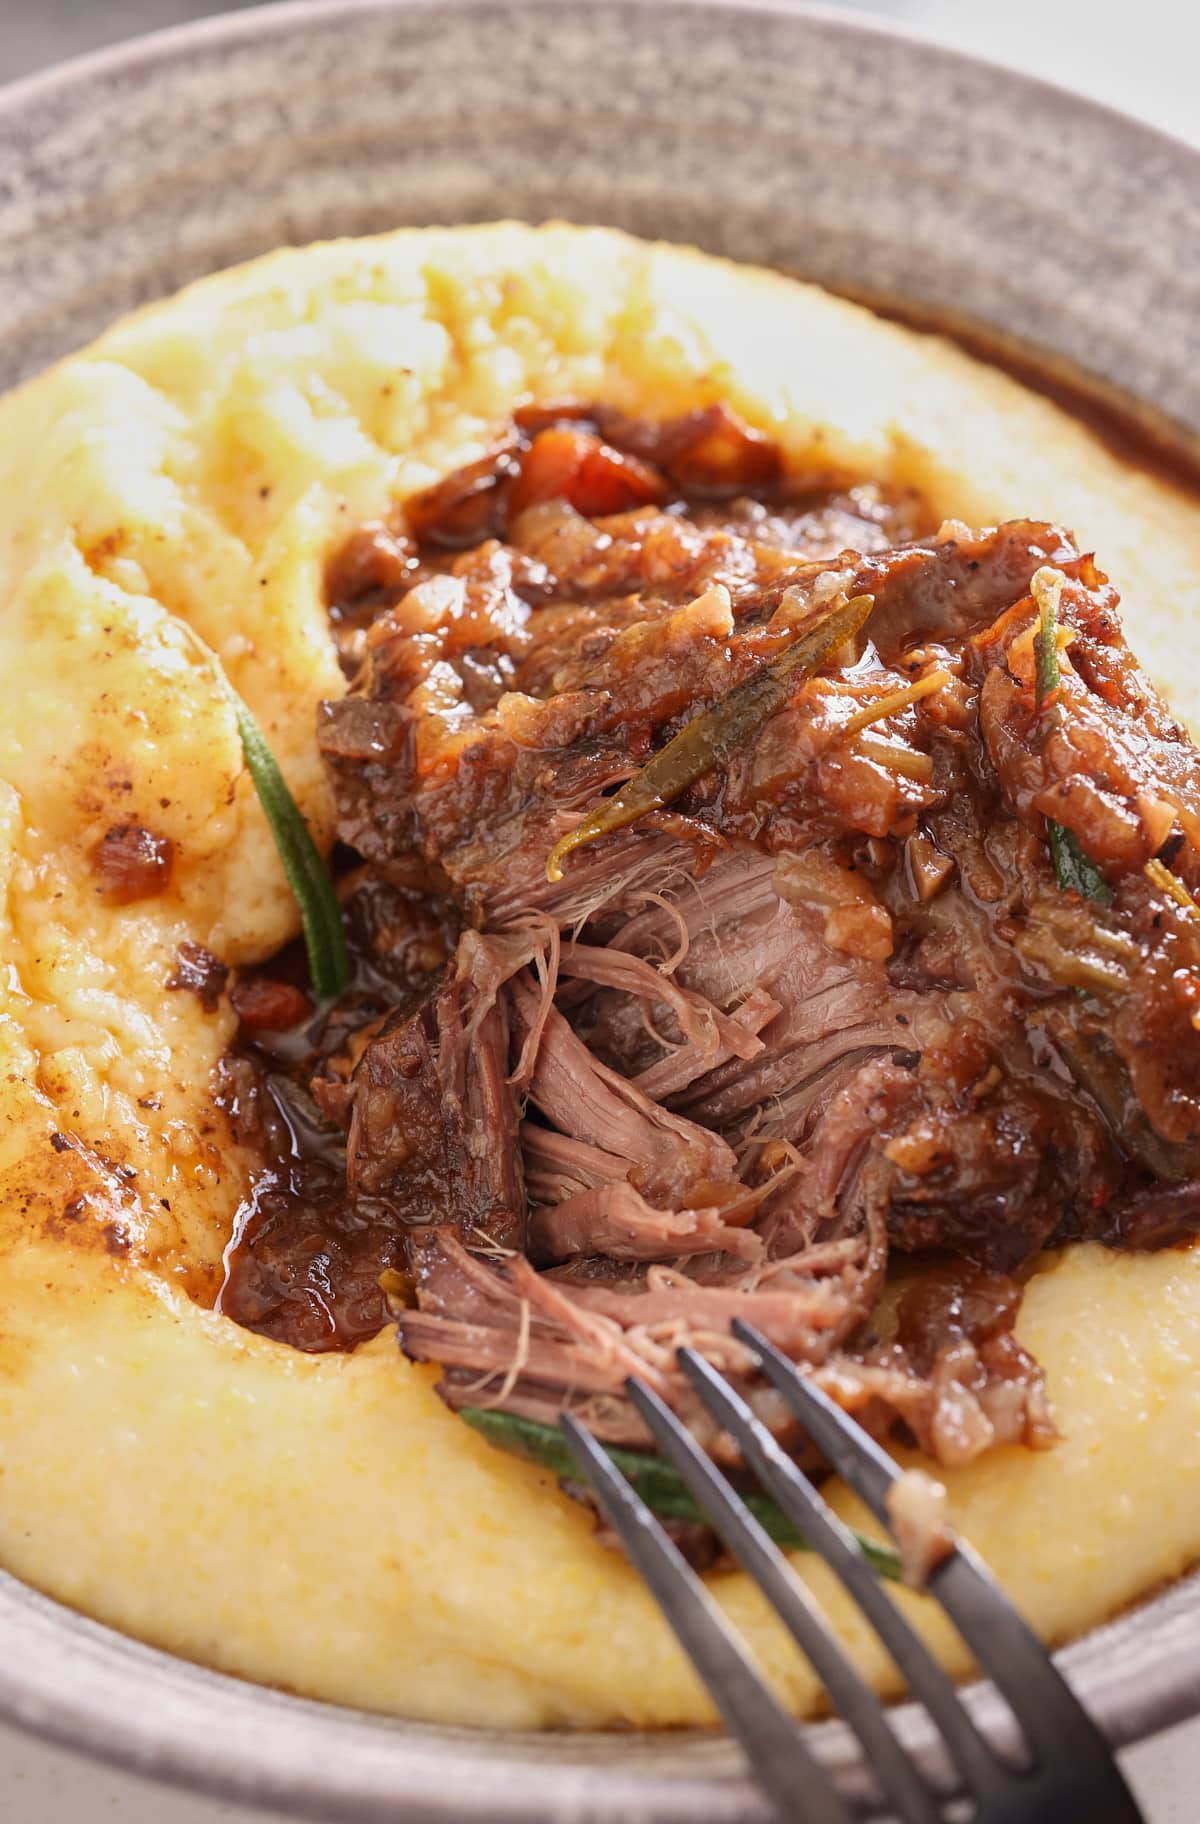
1068, 1774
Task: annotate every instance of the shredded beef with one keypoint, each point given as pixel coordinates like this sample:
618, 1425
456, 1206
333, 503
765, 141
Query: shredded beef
826, 1008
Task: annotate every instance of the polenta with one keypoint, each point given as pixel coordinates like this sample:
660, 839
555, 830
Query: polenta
323, 1521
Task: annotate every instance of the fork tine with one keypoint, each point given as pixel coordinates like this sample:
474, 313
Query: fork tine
772, 1741
827, 1536
1055, 1724
851, 1696
857, 1458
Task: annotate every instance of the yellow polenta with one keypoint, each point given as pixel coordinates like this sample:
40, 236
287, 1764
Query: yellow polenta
322, 1522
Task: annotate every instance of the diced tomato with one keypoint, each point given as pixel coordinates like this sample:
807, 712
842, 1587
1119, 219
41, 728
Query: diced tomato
566, 464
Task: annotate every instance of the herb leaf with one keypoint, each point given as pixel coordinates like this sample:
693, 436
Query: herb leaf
661, 1488
712, 738
307, 875
1073, 869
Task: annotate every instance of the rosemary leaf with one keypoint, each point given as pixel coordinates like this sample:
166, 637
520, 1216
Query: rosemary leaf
1072, 868
307, 875
1074, 871
660, 1487
713, 737
1045, 640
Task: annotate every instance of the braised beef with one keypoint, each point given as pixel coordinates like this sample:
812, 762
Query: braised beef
828, 1007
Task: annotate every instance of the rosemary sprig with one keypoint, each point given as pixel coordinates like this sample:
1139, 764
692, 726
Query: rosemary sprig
1074, 871
713, 737
660, 1487
307, 875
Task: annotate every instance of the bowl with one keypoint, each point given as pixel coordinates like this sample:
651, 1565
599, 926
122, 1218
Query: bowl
856, 154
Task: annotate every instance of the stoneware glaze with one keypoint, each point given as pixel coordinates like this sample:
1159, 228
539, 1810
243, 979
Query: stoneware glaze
831, 146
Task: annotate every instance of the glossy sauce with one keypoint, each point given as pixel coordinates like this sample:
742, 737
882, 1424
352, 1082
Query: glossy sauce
303, 1266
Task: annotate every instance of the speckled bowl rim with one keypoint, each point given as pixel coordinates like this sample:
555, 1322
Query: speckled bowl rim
91, 1689
172, 41
1177, 432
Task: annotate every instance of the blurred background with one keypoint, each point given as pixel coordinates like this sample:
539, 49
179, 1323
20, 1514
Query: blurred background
1141, 56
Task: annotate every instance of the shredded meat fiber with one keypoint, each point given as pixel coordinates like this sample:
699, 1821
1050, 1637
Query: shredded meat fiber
828, 1007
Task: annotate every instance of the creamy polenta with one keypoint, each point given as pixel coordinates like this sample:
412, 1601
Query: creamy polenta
323, 1522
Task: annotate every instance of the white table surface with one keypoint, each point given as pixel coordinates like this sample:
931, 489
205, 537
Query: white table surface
1142, 57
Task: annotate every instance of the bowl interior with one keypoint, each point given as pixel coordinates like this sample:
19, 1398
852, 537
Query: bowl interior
836, 148
864, 158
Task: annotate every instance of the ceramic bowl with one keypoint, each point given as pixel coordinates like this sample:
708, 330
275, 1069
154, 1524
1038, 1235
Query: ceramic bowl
811, 139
